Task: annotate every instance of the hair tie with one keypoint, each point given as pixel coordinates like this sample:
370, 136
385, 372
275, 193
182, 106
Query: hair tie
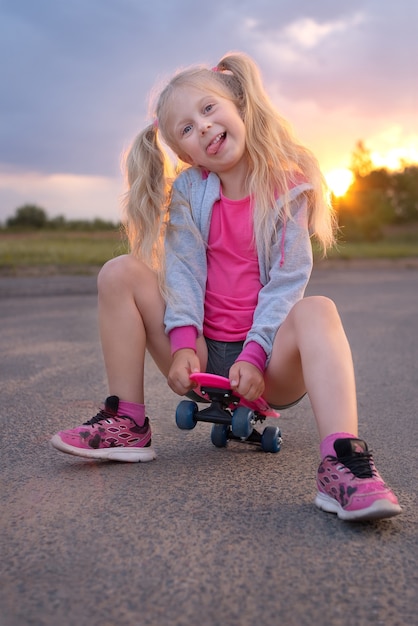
215, 69
155, 123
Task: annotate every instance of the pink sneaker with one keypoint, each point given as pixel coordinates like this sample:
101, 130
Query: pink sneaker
108, 436
350, 486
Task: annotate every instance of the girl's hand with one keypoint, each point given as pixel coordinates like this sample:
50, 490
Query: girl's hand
247, 380
185, 362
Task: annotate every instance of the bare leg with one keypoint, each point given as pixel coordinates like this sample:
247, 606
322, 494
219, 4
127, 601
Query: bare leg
311, 353
131, 312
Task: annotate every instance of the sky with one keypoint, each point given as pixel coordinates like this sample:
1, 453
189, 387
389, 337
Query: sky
76, 78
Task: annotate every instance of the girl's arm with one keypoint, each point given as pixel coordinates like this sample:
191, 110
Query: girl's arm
185, 273
285, 279
194, 194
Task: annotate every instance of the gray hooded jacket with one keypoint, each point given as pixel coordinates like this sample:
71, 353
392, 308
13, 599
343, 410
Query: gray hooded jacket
283, 278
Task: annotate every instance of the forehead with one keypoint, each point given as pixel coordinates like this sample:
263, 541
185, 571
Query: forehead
185, 94
199, 85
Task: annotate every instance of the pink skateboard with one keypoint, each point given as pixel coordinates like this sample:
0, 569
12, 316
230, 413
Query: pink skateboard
206, 382
232, 416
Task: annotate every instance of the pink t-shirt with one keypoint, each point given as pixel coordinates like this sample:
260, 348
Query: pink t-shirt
233, 282
233, 274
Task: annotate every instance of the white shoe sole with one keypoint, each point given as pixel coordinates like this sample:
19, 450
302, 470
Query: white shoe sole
126, 455
380, 509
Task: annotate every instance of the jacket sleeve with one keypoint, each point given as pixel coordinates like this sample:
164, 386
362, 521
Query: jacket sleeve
285, 277
185, 270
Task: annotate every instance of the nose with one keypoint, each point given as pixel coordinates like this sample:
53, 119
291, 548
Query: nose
204, 126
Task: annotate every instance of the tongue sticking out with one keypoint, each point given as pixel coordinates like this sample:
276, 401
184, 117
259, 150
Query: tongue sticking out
216, 144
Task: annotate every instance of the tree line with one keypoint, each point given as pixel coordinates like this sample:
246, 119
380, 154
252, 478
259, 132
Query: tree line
377, 199
34, 217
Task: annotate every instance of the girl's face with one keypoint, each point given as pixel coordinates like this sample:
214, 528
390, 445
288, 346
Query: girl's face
207, 130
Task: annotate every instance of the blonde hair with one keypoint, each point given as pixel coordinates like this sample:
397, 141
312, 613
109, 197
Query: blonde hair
277, 161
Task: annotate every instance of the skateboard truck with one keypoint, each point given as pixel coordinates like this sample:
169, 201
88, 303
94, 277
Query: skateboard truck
233, 418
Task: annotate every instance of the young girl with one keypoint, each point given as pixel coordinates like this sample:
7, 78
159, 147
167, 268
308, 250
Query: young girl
220, 258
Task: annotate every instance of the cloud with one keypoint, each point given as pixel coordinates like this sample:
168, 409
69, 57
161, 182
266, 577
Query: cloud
78, 74
347, 61
306, 33
294, 48
83, 197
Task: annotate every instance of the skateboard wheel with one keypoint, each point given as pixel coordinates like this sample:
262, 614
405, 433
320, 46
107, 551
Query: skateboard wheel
219, 435
186, 415
242, 422
271, 439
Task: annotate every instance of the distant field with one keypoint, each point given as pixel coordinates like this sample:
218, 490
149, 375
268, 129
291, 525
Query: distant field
81, 252
378, 250
398, 243
58, 251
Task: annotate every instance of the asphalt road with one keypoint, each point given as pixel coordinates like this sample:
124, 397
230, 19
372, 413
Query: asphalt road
201, 536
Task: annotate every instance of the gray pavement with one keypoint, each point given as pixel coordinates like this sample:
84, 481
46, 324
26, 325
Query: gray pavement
201, 536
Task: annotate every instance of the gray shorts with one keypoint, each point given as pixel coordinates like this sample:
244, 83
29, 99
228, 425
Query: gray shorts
221, 356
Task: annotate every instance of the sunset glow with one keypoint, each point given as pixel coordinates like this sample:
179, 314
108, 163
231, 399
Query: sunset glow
395, 159
393, 148
339, 180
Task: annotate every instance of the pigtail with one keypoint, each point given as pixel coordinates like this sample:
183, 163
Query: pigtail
145, 203
277, 161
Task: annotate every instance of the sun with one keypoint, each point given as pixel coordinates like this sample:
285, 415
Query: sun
339, 180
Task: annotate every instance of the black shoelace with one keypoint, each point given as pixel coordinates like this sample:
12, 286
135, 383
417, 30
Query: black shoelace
101, 415
359, 463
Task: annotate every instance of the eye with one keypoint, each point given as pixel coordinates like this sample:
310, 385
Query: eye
186, 129
208, 108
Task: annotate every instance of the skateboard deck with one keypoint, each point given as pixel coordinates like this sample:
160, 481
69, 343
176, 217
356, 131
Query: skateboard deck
207, 383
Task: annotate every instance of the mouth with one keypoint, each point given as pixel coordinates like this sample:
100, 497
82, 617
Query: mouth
216, 143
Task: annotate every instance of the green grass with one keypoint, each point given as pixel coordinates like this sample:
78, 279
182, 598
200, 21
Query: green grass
379, 250
59, 249
399, 242
64, 251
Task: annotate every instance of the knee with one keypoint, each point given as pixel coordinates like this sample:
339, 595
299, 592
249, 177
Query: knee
114, 273
316, 309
